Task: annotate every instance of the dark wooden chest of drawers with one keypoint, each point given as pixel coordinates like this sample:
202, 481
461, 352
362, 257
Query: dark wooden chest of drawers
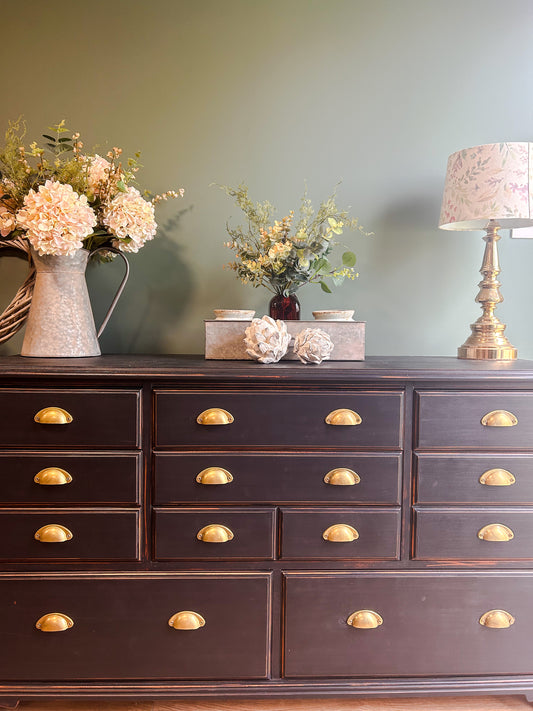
171, 527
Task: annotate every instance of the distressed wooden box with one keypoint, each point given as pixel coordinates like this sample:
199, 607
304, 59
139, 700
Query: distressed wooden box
224, 340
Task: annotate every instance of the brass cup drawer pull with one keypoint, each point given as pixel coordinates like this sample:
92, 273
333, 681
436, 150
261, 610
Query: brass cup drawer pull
340, 533
344, 417
497, 619
497, 477
53, 533
215, 533
499, 418
53, 416
214, 476
495, 532
215, 416
342, 477
52, 476
54, 622
365, 620
186, 620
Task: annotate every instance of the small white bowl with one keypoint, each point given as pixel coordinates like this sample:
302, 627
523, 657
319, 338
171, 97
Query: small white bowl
233, 314
333, 315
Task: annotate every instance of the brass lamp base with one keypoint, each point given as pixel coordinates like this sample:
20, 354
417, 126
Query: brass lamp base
488, 341
487, 352
480, 353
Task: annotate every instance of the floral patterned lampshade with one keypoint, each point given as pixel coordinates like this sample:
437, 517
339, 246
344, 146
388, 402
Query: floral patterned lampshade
489, 182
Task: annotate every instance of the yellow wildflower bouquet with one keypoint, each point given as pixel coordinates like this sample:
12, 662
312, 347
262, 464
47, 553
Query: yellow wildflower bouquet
285, 254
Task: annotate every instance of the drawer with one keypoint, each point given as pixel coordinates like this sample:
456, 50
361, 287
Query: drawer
455, 478
278, 418
453, 419
455, 534
377, 533
96, 535
100, 418
121, 627
430, 625
95, 478
232, 534
274, 478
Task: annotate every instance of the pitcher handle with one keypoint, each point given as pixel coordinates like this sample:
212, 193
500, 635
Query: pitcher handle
120, 288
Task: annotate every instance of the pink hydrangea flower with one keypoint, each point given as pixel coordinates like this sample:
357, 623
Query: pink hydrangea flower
56, 219
129, 215
98, 173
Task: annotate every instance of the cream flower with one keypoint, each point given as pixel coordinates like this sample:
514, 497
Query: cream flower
98, 173
130, 217
56, 219
7, 221
280, 250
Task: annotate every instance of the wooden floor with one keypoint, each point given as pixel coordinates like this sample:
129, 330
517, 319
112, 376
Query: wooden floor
479, 703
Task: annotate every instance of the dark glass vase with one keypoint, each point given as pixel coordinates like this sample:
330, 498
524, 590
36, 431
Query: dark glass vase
286, 308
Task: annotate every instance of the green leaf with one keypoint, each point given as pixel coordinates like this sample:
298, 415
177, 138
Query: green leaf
99, 233
318, 265
326, 267
64, 140
337, 280
121, 186
325, 287
50, 138
349, 259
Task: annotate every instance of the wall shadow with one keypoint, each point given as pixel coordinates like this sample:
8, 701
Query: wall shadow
158, 293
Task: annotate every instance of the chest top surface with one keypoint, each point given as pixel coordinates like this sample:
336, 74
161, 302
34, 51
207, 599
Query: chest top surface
194, 367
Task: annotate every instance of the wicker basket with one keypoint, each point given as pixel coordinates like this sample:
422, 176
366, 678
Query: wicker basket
14, 316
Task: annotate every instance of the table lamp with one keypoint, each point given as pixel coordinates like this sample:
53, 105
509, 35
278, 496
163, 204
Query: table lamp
488, 187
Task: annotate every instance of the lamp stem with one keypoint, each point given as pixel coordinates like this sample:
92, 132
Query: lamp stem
488, 341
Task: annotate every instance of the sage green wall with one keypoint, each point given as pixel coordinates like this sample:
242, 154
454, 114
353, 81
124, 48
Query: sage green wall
376, 93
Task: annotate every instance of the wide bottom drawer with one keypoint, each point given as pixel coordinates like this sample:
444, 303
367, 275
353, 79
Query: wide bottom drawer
408, 625
119, 627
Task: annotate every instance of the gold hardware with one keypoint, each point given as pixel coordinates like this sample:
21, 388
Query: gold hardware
53, 533
186, 620
215, 416
214, 533
214, 475
499, 418
342, 477
497, 619
343, 417
497, 477
53, 416
340, 532
487, 340
365, 619
495, 532
52, 476
54, 622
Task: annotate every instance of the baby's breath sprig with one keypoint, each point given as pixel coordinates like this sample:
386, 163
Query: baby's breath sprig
168, 195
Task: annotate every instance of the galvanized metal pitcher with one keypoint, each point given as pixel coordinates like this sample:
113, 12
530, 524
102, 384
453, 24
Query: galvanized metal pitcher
60, 322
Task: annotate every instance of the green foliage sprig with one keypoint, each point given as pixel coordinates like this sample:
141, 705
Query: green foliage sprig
284, 255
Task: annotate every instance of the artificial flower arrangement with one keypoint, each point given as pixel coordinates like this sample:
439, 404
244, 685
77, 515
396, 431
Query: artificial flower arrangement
283, 255
61, 199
